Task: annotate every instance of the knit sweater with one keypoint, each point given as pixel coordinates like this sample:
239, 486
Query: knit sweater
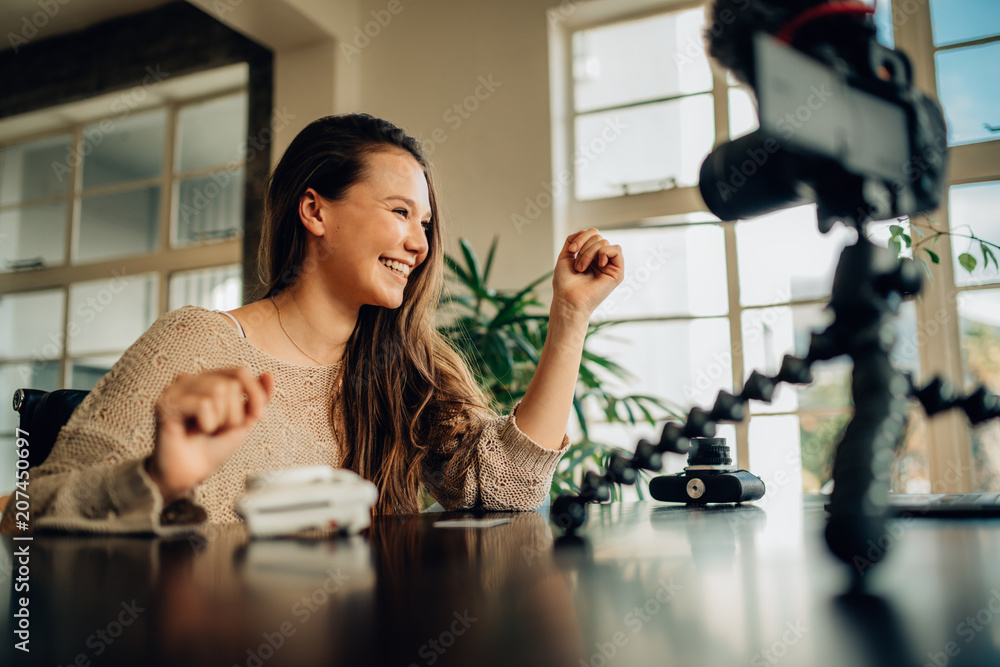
94, 479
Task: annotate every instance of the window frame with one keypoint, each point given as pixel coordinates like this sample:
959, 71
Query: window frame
949, 456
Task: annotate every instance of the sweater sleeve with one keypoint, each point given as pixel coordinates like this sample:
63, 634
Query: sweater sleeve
491, 464
94, 480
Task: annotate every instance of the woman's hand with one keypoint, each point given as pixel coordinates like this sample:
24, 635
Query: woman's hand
587, 270
201, 420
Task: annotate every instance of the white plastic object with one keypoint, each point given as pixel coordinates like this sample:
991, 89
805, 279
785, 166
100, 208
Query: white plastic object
285, 502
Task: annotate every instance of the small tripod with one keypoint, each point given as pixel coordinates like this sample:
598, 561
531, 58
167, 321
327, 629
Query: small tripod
869, 286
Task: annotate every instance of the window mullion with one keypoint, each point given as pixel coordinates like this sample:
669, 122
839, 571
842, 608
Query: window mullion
736, 340
949, 442
168, 203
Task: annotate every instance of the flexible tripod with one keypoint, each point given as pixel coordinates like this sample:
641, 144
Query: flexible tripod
868, 288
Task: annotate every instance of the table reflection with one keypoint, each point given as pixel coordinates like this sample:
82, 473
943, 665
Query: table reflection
644, 584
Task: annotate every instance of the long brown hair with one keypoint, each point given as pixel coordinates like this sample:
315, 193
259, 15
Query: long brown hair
403, 409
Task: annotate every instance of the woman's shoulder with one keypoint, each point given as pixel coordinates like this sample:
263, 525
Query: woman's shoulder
189, 317
184, 333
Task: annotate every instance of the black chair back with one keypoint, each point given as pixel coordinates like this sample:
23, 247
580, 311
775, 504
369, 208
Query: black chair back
42, 415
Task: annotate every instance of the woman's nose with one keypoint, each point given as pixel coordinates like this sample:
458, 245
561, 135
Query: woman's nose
416, 240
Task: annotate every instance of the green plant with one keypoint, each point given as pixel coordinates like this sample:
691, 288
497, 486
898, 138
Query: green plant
501, 335
925, 236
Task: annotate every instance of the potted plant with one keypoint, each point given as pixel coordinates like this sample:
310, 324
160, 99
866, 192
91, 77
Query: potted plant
501, 334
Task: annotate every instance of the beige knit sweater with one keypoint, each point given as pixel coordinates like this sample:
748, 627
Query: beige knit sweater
95, 481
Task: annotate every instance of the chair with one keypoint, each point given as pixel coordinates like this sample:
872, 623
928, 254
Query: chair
42, 416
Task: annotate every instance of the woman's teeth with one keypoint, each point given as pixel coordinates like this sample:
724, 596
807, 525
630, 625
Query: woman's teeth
402, 269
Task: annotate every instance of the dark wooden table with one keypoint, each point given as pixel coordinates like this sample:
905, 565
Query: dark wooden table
649, 584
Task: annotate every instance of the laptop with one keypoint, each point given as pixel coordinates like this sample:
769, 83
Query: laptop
945, 505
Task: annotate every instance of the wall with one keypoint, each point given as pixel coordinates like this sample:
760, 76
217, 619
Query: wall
424, 57
489, 154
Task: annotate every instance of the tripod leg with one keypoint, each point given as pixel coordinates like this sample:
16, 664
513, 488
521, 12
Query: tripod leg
856, 529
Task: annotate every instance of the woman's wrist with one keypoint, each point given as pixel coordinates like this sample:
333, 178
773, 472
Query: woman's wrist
166, 492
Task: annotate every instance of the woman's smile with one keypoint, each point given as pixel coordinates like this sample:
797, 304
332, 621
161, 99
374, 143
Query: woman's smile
400, 269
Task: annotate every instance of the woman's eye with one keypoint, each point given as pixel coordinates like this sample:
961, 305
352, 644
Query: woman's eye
403, 211
427, 224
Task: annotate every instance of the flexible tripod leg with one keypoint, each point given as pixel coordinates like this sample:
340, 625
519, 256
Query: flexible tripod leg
856, 529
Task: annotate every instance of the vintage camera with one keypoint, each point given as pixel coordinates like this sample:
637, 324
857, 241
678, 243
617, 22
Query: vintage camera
710, 477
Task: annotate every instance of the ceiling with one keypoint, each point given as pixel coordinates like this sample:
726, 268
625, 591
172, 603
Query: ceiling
72, 16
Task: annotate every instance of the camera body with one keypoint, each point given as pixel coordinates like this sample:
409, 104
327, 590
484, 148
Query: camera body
710, 477
841, 125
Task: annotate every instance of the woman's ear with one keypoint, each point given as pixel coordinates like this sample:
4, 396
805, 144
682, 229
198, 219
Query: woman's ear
311, 212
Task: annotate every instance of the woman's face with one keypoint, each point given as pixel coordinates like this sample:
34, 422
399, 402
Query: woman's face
382, 219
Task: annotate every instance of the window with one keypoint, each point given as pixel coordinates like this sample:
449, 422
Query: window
717, 300
966, 53
112, 219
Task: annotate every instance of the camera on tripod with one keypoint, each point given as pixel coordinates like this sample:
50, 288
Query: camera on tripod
710, 477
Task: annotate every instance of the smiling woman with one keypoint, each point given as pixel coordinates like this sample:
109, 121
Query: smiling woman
336, 362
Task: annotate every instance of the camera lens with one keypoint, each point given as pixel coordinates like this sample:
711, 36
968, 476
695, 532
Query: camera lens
709, 452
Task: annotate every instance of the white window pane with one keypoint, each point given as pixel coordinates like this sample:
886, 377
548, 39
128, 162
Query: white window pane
644, 148
775, 455
969, 90
31, 324
85, 372
641, 60
685, 362
742, 114
108, 315
209, 208
956, 21
771, 333
33, 236
218, 288
212, 133
783, 257
119, 225
972, 209
116, 151
669, 271
35, 169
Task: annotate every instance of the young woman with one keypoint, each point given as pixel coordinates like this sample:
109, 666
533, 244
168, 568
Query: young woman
337, 363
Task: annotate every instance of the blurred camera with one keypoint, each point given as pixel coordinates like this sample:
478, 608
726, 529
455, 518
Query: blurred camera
710, 477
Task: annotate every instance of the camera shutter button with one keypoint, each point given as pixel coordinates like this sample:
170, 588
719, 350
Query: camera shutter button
695, 488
